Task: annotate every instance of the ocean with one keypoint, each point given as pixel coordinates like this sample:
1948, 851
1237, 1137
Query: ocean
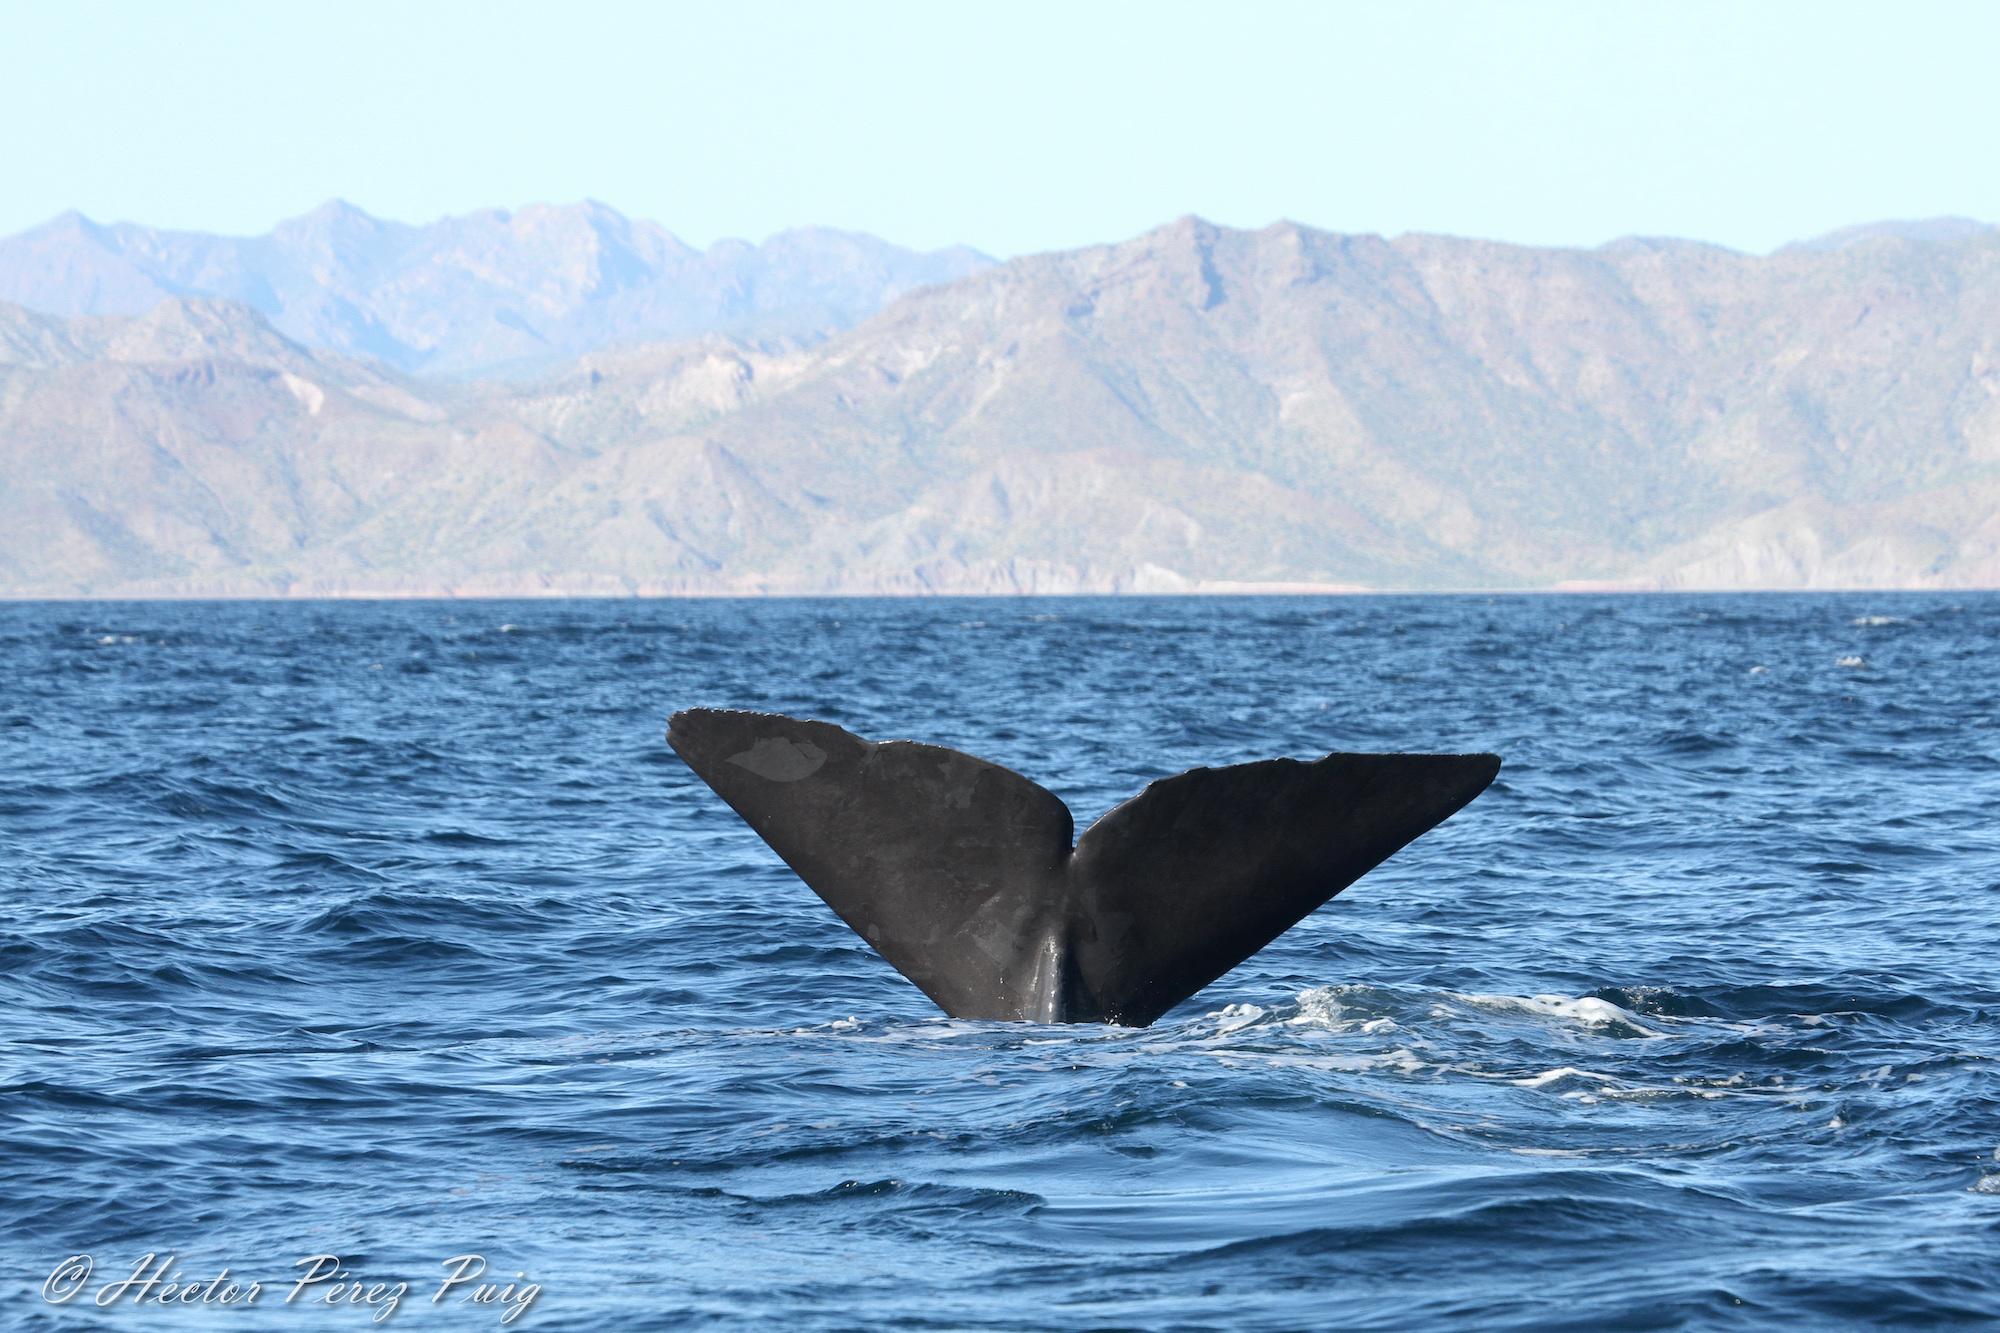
383, 956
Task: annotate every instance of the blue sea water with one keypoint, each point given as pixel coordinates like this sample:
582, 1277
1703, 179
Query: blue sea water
394, 932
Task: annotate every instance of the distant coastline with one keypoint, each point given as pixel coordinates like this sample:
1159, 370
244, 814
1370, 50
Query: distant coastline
1215, 590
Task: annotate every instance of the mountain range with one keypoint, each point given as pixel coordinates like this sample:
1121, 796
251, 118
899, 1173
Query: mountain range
488, 292
1195, 409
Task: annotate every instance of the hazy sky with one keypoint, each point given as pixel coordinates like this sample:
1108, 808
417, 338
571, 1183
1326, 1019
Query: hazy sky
1012, 126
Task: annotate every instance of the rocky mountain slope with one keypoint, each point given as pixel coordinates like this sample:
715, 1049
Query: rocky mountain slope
1197, 408
486, 292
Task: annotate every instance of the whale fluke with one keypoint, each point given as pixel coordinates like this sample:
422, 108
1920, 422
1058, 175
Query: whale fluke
962, 874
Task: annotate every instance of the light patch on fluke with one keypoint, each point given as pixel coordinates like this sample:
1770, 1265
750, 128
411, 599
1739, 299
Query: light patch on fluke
781, 760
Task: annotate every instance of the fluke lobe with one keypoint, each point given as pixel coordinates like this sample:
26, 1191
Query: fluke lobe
962, 874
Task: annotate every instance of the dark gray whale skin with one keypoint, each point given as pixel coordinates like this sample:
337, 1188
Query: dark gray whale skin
962, 874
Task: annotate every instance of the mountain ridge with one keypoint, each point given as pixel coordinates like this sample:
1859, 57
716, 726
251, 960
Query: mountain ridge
1195, 409
474, 293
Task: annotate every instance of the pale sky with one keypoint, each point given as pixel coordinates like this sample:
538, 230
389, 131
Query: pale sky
1012, 127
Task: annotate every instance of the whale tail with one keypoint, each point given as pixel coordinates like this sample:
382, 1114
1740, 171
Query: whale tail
963, 874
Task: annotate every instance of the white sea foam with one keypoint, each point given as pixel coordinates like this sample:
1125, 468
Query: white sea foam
1586, 1009
1235, 1017
1876, 622
1323, 1007
1319, 1007
1402, 1060
1542, 1080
